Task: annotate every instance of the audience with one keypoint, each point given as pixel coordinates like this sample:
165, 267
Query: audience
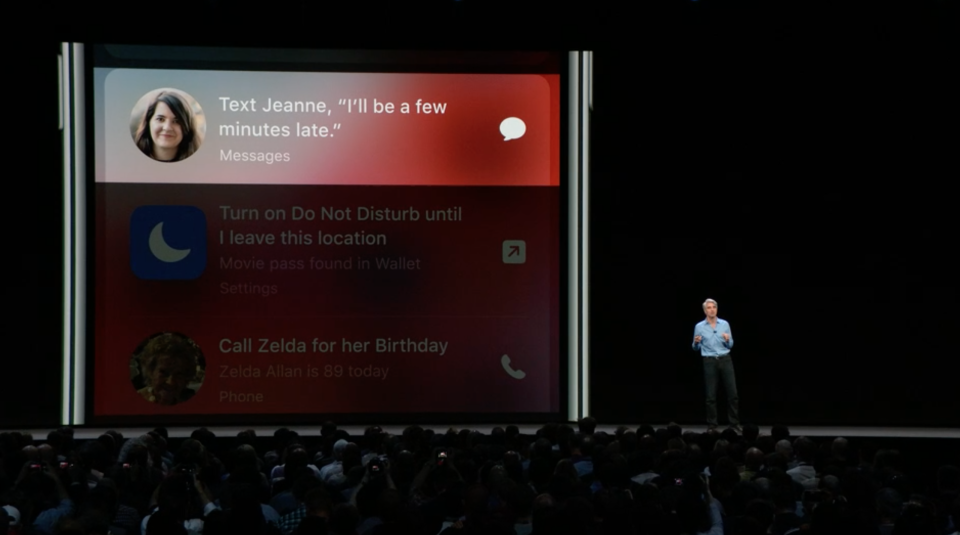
563, 480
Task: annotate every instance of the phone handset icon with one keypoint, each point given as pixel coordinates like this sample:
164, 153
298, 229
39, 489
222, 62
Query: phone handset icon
516, 374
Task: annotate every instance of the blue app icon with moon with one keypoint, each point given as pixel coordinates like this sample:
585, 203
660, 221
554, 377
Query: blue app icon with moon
168, 242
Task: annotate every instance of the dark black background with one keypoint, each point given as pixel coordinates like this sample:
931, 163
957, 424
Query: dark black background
789, 159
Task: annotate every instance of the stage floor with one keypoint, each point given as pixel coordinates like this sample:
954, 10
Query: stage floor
264, 431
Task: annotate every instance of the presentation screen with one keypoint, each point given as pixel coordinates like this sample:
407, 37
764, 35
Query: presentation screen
276, 235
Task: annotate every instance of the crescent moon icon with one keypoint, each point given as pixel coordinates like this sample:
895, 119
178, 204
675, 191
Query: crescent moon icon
160, 249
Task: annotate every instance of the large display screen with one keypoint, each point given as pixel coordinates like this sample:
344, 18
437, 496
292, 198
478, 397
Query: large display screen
349, 235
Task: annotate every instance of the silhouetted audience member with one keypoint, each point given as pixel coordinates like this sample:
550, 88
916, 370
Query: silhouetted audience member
915, 519
588, 425
166, 523
44, 497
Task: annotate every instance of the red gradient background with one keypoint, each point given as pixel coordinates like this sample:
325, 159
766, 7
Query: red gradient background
464, 294
462, 147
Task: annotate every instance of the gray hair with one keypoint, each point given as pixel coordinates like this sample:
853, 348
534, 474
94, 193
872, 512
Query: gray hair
142, 440
709, 301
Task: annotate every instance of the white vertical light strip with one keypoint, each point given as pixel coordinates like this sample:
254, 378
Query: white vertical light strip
590, 83
573, 243
585, 106
66, 125
80, 237
60, 92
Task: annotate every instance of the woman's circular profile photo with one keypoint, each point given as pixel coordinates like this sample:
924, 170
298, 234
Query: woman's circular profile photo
168, 125
167, 368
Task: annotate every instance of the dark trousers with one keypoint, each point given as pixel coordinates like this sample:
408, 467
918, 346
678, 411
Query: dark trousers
715, 369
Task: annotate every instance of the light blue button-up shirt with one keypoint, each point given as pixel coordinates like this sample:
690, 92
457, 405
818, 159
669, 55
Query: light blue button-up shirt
712, 343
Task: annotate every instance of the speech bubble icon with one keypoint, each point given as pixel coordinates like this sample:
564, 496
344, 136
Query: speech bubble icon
512, 128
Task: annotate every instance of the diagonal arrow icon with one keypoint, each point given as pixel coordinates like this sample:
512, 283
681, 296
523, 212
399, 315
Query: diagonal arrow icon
514, 252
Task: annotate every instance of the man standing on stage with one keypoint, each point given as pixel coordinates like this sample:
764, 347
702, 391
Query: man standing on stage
713, 338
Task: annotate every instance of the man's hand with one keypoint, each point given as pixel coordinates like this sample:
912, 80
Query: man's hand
706, 488
726, 337
697, 339
25, 470
201, 489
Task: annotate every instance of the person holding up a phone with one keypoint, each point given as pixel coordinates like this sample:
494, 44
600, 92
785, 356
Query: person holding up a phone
45, 496
713, 338
185, 498
697, 511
